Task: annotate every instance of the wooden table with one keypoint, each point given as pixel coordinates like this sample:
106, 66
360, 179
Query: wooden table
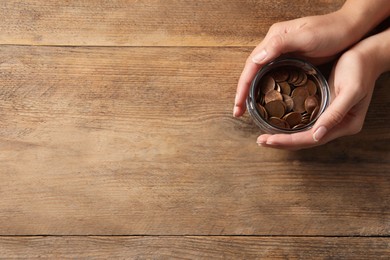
117, 140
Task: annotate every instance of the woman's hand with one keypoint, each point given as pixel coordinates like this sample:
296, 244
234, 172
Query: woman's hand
316, 39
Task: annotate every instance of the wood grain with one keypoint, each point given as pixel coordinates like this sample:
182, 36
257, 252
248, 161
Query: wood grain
132, 141
148, 22
117, 140
195, 247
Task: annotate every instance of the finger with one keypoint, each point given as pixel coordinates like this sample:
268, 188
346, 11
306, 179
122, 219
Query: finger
282, 43
245, 80
333, 115
243, 86
352, 122
294, 141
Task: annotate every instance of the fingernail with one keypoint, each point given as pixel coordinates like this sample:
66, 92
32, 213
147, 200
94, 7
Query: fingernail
259, 57
260, 141
235, 111
319, 133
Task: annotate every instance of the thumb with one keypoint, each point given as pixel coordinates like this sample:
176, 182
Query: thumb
282, 43
333, 115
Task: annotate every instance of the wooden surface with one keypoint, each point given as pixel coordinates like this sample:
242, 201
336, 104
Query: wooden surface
148, 22
117, 140
189, 247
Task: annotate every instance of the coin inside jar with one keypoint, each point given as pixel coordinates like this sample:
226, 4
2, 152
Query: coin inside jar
288, 98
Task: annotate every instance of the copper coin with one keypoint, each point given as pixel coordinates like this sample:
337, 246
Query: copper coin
280, 75
272, 96
311, 87
299, 126
301, 79
310, 104
305, 118
262, 111
267, 84
275, 108
278, 122
305, 121
260, 99
300, 91
294, 75
299, 104
288, 102
277, 88
304, 79
314, 113
305, 115
293, 118
285, 88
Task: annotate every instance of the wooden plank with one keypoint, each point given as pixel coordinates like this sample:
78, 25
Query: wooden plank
195, 247
148, 22
142, 141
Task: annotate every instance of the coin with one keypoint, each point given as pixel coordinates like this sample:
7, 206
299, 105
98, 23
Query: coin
285, 87
280, 75
268, 84
272, 96
262, 111
293, 77
278, 88
278, 122
314, 113
311, 87
299, 103
299, 126
293, 118
288, 102
300, 91
305, 118
310, 104
275, 108
302, 79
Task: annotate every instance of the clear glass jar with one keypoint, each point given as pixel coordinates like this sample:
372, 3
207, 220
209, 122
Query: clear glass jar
290, 63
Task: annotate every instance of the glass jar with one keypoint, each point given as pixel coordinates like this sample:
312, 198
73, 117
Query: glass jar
262, 116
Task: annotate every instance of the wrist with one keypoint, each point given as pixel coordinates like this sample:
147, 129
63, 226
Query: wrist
382, 51
374, 52
379, 51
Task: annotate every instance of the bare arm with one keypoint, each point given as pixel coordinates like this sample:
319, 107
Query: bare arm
364, 15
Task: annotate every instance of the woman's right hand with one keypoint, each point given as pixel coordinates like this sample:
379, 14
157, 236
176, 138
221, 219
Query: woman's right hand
314, 38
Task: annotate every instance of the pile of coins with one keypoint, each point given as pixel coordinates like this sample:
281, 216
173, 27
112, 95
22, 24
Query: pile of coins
288, 98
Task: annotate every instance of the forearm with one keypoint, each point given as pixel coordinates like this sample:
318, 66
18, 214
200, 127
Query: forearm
382, 51
364, 15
